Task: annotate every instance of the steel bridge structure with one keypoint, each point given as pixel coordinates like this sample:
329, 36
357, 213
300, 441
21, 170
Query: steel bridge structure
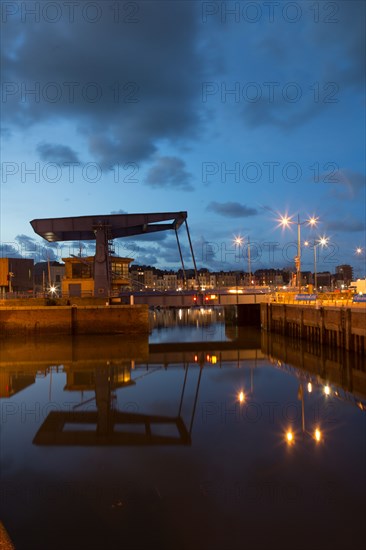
103, 229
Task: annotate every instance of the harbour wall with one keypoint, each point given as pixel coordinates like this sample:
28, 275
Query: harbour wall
74, 320
342, 327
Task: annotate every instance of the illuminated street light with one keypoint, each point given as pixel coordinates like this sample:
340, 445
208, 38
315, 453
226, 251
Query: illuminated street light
241, 397
322, 241
52, 290
289, 437
239, 241
317, 435
286, 221
360, 252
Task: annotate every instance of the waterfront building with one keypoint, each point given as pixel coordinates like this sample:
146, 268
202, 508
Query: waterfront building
170, 281
79, 275
16, 275
149, 279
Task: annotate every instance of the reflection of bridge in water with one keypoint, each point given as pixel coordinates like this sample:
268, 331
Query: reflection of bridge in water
22, 362
104, 365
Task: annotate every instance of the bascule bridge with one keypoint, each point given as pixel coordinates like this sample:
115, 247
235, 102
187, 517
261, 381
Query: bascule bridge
103, 229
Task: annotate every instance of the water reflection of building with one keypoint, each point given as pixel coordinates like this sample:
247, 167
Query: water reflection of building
320, 366
196, 316
105, 365
85, 379
12, 382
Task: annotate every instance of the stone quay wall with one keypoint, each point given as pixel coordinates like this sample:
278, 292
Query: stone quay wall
343, 327
74, 320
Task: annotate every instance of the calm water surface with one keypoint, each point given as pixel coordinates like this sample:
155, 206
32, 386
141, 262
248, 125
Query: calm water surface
179, 441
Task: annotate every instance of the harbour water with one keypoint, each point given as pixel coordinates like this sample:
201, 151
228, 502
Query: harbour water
200, 436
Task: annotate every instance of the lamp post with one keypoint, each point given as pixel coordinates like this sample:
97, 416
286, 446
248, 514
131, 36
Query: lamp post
360, 253
239, 241
286, 221
322, 241
10, 279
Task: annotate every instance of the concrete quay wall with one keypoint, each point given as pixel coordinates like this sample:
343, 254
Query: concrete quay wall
336, 326
74, 320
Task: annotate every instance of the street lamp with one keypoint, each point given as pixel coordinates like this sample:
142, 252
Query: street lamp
239, 241
322, 241
286, 221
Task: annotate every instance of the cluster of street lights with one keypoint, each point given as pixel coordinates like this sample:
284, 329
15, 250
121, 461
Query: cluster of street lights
286, 221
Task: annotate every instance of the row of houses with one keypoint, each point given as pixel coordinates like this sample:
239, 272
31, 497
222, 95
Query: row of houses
75, 277
148, 278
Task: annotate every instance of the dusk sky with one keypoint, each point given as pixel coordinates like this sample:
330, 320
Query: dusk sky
236, 112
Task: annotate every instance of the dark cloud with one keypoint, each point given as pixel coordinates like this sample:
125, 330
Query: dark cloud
347, 37
333, 38
232, 209
25, 240
346, 225
29, 247
282, 113
169, 172
10, 250
56, 153
346, 184
164, 252
147, 259
124, 85
151, 237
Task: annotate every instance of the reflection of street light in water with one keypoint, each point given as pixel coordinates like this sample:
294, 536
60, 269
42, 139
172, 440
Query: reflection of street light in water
317, 435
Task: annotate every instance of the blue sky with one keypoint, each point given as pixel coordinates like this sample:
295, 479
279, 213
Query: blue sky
234, 111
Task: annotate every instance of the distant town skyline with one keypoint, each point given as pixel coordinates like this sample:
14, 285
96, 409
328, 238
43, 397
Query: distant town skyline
236, 112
